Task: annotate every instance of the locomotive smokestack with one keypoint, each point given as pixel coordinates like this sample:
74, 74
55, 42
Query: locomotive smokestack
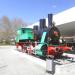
50, 18
35, 27
42, 23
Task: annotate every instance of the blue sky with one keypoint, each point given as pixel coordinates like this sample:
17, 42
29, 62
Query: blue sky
32, 10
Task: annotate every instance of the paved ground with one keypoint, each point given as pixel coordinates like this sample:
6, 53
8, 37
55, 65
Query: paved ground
13, 62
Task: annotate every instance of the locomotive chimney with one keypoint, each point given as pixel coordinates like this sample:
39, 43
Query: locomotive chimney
50, 18
42, 23
35, 27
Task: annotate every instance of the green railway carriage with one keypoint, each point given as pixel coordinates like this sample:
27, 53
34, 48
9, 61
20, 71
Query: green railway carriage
24, 34
24, 37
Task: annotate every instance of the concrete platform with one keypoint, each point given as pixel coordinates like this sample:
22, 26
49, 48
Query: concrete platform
13, 62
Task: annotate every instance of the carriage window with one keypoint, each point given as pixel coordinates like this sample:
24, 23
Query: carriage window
23, 31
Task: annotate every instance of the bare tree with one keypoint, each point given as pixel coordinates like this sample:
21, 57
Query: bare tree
9, 28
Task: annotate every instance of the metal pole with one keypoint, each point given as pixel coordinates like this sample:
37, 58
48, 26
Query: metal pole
50, 65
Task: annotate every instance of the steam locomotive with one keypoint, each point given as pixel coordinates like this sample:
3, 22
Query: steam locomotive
42, 40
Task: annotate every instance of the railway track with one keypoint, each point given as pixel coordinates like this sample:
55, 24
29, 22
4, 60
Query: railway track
67, 58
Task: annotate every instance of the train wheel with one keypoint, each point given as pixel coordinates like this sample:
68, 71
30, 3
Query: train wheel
19, 48
59, 53
44, 50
